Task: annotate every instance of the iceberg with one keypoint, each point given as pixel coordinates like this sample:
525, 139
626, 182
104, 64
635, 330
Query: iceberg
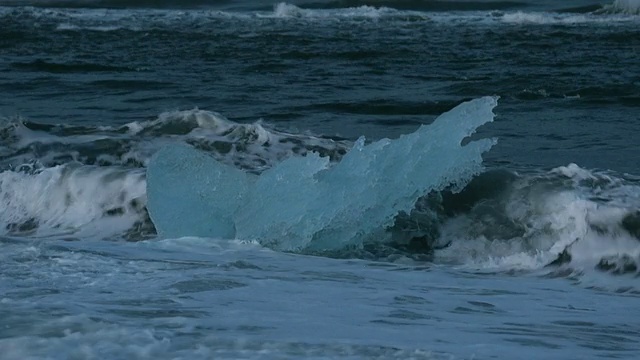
189, 193
308, 202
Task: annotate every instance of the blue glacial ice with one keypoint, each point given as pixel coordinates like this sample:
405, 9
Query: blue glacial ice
308, 203
190, 193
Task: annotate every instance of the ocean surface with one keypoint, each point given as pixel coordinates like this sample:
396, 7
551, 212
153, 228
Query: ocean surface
319, 179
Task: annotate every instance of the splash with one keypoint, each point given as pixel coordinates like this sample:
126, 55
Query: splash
304, 202
630, 7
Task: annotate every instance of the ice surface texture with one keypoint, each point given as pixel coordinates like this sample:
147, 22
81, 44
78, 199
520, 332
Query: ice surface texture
305, 202
192, 194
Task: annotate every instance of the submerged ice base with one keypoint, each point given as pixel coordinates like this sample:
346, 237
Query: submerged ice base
305, 202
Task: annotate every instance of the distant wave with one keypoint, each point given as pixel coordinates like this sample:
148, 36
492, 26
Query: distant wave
286, 10
20, 20
263, 5
631, 7
420, 5
628, 7
560, 18
118, 4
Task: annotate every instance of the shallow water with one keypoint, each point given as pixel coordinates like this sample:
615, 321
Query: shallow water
195, 298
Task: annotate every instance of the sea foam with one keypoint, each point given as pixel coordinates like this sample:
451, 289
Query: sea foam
71, 200
631, 7
569, 217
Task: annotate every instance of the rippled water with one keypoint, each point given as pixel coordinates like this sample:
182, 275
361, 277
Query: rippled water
195, 298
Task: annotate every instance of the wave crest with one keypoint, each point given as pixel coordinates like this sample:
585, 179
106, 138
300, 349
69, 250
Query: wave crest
629, 7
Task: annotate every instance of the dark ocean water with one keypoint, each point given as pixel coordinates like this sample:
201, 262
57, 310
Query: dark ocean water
568, 82
539, 240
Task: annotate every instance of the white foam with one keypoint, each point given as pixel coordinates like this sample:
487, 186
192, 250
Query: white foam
79, 337
551, 222
28, 137
583, 216
194, 119
631, 7
545, 18
286, 10
253, 146
72, 199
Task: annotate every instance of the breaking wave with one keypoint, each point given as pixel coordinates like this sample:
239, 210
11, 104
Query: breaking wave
62, 180
567, 218
73, 201
631, 7
419, 197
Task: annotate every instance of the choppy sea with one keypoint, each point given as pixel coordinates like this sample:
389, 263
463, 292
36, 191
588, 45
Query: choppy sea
319, 179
